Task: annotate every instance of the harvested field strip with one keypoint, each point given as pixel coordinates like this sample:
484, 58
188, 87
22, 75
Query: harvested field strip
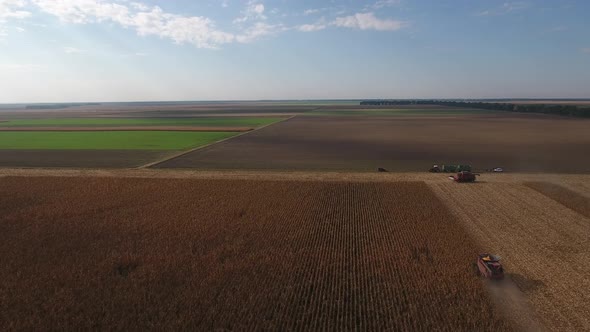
114, 122
564, 196
108, 140
545, 246
122, 253
136, 128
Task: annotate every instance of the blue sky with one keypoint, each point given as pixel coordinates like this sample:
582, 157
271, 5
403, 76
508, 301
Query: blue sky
125, 50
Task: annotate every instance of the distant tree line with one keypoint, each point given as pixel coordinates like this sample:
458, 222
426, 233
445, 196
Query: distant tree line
565, 110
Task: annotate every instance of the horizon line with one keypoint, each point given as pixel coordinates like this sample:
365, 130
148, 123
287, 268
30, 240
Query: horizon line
284, 100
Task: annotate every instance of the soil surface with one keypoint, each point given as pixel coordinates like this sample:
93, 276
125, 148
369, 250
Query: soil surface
400, 144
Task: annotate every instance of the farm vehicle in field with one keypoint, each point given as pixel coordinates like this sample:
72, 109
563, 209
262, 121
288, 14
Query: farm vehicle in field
464, 176
489, 266
449, 168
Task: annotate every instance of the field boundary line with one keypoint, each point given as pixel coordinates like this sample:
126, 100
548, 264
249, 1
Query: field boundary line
182, 153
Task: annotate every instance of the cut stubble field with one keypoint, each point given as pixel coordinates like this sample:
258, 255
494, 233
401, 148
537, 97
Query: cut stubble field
542, 233
124, 253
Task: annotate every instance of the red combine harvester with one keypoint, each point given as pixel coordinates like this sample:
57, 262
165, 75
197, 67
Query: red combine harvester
464, 176
489, 266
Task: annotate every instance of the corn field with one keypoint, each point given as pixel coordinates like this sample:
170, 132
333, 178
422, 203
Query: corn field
124, 253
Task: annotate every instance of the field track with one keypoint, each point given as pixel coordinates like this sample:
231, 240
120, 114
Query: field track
120, 253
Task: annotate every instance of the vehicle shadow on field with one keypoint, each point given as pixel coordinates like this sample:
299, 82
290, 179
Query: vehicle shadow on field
526, 285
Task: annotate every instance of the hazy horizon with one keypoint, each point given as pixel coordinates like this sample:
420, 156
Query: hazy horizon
55, 51
284, 101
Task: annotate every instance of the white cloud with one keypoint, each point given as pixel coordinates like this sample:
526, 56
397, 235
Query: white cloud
258, 9
254, 11
514, 6
586, 50
368, 21
140, 6
259, 30
154, 21
311, 11
361, 21
312, 27
85, 11
19, 29
12, 9
73, 50
506, 8
197, 30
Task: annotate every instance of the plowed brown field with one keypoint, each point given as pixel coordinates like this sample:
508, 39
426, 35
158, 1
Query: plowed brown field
403, 144
123, 253
545, 245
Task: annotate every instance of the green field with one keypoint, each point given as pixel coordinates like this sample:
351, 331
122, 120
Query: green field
120, 122
401, 112
108, 140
